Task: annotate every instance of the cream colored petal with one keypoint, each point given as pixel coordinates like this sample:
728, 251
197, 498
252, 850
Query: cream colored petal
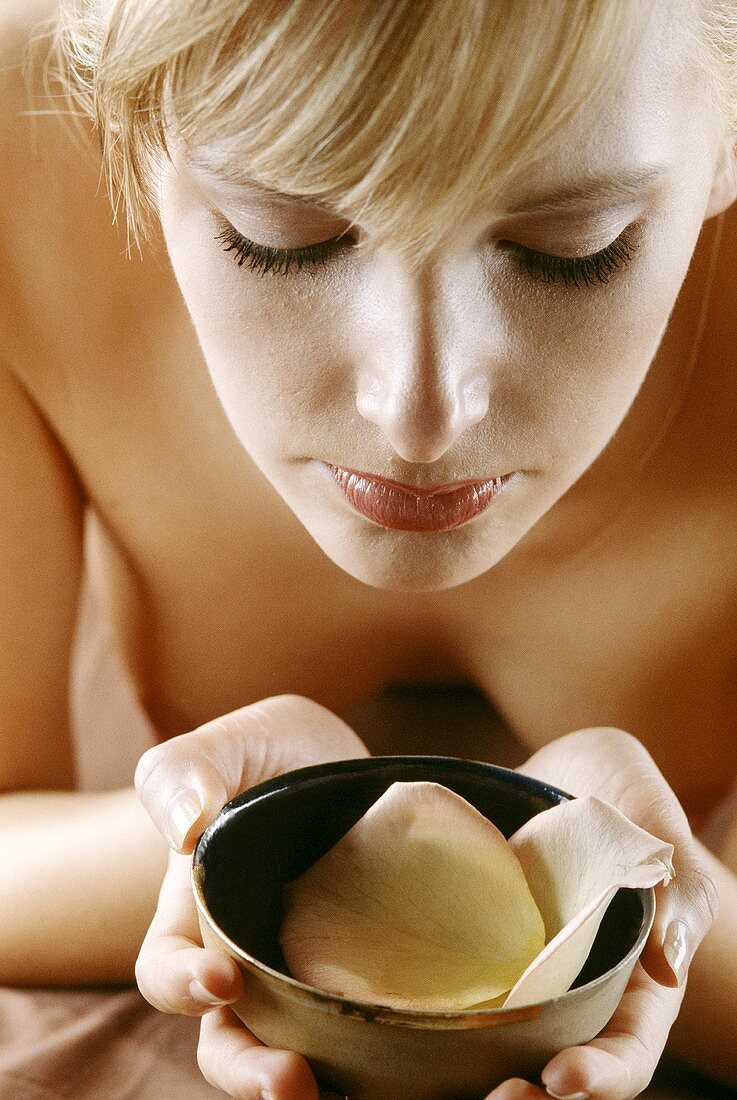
575, 857
421, 905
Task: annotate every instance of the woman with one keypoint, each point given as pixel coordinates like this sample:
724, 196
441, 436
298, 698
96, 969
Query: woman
423, 373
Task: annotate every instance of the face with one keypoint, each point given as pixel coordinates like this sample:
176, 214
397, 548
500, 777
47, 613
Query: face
421, 421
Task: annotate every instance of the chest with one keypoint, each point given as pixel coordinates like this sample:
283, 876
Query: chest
639, 635
228, 603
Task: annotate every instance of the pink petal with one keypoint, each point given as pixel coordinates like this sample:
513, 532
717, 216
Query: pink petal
421, 905
576, 856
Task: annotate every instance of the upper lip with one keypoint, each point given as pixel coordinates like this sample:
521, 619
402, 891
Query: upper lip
424, 490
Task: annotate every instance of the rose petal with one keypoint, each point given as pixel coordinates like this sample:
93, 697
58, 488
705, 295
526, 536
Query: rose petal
576, 856
421, 905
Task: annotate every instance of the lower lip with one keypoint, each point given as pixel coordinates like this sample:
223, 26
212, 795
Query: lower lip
402, 509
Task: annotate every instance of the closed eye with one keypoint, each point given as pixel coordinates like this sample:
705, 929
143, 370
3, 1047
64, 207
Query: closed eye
263, 259
571, 271
577, 271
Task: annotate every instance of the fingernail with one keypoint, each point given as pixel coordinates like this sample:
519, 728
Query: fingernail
677, 949
198, 992
266, 1095
183, 810
567, 1096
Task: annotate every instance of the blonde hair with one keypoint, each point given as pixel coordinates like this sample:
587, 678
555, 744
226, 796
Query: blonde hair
406, 112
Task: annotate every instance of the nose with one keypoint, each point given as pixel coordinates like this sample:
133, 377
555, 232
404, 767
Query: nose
423, 384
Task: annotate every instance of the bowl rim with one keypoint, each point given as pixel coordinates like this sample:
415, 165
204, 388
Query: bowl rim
334, 1002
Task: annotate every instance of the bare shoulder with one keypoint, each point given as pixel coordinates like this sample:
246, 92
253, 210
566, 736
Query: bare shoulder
26, 30
41, 154
67, 282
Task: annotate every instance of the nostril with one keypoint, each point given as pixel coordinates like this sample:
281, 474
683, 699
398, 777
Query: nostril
422, 416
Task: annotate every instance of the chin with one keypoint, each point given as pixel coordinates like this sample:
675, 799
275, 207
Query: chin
403, 561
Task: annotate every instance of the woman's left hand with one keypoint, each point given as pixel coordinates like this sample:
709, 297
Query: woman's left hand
619, 1063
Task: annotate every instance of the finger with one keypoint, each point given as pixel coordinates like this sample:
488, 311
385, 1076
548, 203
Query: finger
619, 1063
184, 782
174, 972
232, 1059
686, 910
517, 1089
617, 767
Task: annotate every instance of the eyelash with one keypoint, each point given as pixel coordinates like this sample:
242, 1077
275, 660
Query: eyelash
578, 271
263, 259
572, 271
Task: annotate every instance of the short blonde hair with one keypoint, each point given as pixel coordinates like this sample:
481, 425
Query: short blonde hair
407, 112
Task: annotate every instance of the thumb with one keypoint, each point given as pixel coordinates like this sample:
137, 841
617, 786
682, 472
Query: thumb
685, 911
183, 783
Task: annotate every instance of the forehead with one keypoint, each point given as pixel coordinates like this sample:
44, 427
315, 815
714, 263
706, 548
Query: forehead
656, 111
634, 125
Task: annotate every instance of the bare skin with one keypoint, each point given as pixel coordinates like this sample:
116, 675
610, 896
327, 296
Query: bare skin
617, 608
103, 346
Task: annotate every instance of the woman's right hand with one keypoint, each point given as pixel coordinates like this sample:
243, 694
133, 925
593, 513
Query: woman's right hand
184, 783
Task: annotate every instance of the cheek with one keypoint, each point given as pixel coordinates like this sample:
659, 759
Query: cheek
581, 354
260, 335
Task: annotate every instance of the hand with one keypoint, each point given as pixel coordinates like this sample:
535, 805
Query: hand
619, 1063
184, 783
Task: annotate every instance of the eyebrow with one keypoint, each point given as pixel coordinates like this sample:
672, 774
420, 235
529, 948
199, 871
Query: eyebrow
201, 161
592, 190
596, 189
227, 173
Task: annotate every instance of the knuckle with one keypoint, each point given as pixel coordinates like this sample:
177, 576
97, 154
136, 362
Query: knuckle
271, 718
221, 1062
291, 1074
295, 708
618, 736
148, 974
148, 765
637, 1056
641, 1066
627, 744
705, 896
140, 976
290, 699
226, 1069
206, 1062
142, 973
608, 735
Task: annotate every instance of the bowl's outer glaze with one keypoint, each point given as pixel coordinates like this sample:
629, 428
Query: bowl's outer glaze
272, 833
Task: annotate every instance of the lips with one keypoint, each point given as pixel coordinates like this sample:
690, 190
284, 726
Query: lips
406, 508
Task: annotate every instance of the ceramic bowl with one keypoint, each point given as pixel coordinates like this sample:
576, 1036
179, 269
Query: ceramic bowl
273, 832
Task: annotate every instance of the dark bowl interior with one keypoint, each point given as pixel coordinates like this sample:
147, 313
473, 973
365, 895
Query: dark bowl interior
272, 833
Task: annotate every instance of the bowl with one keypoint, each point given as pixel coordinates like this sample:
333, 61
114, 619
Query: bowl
273, 832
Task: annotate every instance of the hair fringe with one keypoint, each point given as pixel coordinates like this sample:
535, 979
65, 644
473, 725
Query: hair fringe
403, 114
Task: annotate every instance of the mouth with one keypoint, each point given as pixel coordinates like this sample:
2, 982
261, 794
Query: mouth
406, 508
